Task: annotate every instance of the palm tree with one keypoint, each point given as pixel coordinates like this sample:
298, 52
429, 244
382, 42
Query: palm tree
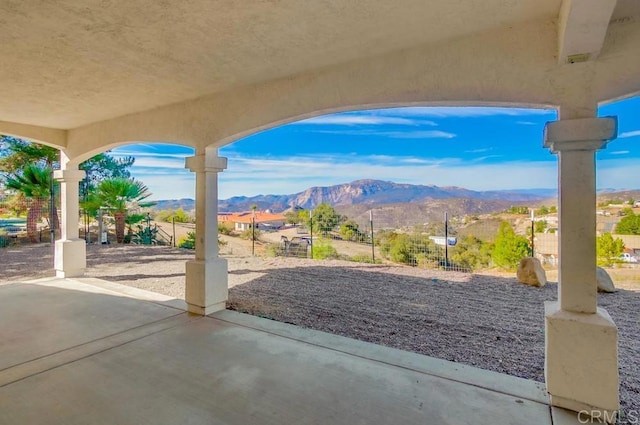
119, 194
34, 182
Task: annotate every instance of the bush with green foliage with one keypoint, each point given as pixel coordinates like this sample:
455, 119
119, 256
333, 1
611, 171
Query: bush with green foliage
349, 231
413, 249
517, 209
509, 248
540, 226
360, 258
323, 250
629, 225
472, 253
608, 249
543, 210
188, 242
168, 216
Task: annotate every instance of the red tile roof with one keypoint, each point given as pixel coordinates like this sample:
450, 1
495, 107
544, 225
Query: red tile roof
247, 217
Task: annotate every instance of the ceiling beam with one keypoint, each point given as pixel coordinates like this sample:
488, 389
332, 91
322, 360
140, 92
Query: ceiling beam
582, 27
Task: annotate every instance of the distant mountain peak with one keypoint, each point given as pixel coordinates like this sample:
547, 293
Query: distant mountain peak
366, 191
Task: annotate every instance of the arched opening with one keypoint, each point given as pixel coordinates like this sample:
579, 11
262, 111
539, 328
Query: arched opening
401, 169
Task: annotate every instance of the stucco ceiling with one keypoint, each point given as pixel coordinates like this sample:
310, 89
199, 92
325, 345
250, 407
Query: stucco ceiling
72, 62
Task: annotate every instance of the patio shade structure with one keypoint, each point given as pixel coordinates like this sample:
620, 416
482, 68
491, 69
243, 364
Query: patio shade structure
88, 76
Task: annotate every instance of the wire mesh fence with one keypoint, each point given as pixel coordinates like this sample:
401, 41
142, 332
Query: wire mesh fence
456, 242
28, 220
463, 243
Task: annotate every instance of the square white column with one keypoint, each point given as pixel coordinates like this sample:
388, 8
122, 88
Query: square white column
581, 340
70, 258
206, 277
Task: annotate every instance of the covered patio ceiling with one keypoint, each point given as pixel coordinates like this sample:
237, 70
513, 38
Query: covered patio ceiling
66, 64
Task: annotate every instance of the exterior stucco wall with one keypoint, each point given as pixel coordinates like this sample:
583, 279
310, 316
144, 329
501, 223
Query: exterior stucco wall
511, 66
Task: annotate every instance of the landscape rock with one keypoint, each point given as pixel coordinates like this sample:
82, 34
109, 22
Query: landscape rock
605, 284
530, 272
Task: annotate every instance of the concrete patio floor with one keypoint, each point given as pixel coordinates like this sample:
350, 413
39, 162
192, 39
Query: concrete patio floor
86, 351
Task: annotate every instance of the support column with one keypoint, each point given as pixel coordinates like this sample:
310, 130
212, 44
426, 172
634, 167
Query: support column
206, 276
70, 251
581, 339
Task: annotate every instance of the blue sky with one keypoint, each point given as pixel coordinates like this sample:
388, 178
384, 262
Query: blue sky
480, 148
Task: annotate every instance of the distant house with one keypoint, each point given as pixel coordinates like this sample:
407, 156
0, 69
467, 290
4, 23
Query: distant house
265, 220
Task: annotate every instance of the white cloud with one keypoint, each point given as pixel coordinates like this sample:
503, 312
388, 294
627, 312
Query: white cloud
253, 176
526, 123
481, 150
289, 175
627, 134
465, 111
361, 119
619, 152
426, 134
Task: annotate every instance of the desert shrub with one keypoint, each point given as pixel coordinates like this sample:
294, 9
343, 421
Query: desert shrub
472, 253
249, 233
179, 215
322, 250
360, 258
225, 229
272, 250
188, 242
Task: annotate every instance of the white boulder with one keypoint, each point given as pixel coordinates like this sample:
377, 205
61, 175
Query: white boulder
605, 284
530, 272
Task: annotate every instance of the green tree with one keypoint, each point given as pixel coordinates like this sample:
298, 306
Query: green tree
16, 154
102, 167
292, 217
33, 181
629, 225
540, 226
325, 218
509, 248
608, 249
119, 195
349, 231
543, 210
553, 209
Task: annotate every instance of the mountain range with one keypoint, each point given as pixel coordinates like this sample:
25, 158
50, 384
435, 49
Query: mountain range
363, 192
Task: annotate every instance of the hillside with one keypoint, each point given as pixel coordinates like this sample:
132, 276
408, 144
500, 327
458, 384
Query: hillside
412, 214
370, 192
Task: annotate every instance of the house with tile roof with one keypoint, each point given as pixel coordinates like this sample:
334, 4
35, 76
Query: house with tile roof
241, 221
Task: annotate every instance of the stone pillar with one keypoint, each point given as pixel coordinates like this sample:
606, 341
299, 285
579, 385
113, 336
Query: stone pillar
581, 340
70, 250
206, 276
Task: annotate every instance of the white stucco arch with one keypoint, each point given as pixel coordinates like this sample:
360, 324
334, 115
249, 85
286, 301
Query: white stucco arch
75, 160
368, 107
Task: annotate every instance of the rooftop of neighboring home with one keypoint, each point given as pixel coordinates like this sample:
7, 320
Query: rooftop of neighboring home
248, 216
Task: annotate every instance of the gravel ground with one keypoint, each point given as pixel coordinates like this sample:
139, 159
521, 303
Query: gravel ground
486, 321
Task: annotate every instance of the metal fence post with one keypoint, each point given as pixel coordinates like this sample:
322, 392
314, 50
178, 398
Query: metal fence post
373, 249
